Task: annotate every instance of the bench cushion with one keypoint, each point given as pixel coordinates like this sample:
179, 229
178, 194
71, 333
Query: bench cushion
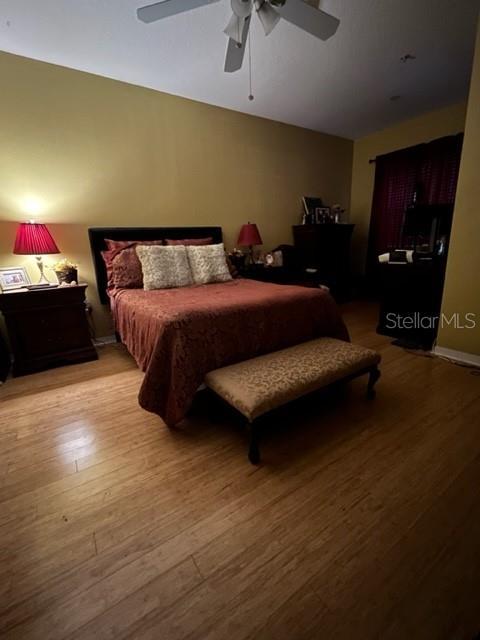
267, 382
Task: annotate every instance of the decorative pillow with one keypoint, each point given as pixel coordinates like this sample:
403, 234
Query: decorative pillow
208, 263
115, 245
164, 267
189, 242
108, 259
116, 248
127, 270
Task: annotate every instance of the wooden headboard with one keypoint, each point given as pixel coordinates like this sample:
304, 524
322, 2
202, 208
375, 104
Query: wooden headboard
97, 237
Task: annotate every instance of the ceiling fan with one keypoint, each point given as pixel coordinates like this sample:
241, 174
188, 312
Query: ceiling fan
315, 21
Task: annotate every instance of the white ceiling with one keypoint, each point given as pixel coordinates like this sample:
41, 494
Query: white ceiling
341, 86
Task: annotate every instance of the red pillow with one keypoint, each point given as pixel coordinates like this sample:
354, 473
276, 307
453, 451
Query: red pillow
116, 247
108, 258
127, 270
190, 242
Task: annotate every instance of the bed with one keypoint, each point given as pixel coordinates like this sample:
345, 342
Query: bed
178, 335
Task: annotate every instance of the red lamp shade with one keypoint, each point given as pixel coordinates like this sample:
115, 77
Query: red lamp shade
34, 240
249, 235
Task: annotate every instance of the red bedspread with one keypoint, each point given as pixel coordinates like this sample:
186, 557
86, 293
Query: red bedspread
178, 335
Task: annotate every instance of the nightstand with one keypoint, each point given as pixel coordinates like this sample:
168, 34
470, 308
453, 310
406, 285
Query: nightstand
281, 275
278, 275
47, 327
4, 359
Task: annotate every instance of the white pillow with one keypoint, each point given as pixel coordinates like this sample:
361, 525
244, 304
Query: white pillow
164, 267
208, 263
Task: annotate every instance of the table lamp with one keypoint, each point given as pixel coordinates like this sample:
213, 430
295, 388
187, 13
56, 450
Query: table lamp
34, 239
248, 237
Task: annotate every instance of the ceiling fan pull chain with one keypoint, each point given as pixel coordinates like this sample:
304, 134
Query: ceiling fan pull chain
250, 95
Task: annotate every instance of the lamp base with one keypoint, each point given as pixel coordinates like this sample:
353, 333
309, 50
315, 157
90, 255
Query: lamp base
43, 281
250, 257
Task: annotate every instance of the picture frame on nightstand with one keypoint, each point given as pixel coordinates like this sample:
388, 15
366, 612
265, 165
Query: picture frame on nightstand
13, 278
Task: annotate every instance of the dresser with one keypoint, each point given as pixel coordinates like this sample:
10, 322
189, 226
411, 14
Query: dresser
325, 248
47, 328
4, 359
410, 301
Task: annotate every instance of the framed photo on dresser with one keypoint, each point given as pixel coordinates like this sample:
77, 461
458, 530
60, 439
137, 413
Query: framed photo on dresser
322, 215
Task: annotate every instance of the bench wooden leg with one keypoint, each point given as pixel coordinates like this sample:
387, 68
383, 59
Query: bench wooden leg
254, 450
373, 377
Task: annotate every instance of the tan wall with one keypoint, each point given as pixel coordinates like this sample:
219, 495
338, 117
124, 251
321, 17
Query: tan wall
424, 128
101, 152
462, 290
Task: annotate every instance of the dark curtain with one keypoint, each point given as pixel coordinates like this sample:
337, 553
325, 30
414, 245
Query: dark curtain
438, 170
428, 172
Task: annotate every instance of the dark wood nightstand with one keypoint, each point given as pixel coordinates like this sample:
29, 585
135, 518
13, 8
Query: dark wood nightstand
281, 275
47, 328
4, 359
278, 275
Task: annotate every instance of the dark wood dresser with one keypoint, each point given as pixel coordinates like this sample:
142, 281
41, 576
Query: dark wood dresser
326, 248
410, 301
4, 359
47, 328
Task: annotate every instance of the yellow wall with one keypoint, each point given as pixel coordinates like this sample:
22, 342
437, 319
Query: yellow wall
462, 290
101, 152
424, 128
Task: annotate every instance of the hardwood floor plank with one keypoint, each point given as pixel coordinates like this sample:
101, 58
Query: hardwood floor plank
444, 572
391, 558
150, 585
16, 587
112, 359
158, 595
300, 617
373, 466
363, 520
248, 563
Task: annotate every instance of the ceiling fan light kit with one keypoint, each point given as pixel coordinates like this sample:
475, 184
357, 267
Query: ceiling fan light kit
314, 21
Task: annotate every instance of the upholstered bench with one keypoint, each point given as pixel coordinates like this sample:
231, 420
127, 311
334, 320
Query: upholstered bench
262, 384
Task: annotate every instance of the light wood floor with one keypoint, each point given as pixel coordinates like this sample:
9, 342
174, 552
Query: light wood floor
363, 522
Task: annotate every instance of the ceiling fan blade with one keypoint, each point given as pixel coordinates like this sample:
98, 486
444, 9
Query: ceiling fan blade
234, 28
167, 8
235, 52
315, 21
268, 17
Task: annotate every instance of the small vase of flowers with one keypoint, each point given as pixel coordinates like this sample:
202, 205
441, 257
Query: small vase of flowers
66, 271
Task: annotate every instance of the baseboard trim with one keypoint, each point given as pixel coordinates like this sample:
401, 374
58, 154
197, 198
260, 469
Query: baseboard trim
458, 356
103, 340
